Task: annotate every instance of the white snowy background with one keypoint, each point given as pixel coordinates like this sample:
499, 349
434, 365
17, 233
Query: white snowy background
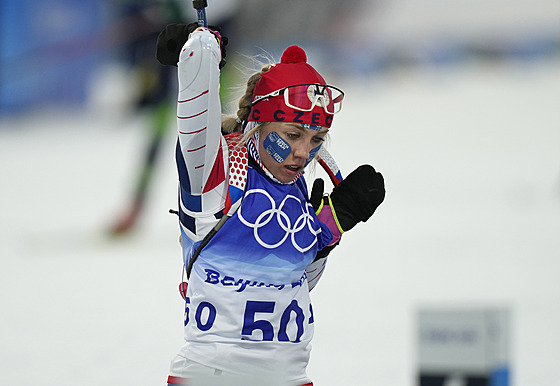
471, 159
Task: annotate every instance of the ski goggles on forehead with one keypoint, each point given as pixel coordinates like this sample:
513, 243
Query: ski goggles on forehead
304, 97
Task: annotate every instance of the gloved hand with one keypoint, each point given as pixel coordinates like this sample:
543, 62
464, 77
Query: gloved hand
171, 40
355, 199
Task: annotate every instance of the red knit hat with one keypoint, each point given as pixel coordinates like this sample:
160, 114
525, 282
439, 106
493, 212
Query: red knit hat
292, 70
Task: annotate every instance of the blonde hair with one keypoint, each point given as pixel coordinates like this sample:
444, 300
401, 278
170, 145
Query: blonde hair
251, 132
234, 123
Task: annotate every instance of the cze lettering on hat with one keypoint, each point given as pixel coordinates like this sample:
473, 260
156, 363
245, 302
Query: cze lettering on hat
314, 119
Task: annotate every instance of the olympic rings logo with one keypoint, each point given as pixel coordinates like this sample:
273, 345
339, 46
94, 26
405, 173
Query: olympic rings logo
305, 219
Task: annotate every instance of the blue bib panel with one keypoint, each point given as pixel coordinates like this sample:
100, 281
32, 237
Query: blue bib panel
272, 237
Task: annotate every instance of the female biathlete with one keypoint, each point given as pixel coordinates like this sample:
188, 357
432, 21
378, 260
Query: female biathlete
254, 242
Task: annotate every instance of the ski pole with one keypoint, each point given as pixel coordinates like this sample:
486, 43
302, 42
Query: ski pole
200, 6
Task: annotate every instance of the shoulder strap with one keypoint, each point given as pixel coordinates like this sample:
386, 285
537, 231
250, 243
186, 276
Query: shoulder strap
237, 180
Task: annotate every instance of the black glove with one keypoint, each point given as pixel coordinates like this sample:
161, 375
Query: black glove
355, 198
171, 40
317, 193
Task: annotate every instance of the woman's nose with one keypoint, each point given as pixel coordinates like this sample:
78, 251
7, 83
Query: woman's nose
301, 151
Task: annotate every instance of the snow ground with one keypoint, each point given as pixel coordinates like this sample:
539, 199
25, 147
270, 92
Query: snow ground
472, 166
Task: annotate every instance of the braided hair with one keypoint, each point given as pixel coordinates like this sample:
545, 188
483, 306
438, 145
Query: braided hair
232, 124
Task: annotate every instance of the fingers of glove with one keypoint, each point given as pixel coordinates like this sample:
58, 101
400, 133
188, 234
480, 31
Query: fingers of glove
358, 195
170, 42
370, 190
317, 193
364, 178
373, 196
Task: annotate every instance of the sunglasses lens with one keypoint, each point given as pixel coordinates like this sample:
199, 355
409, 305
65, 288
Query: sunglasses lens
298, 97
335, 100
306, 97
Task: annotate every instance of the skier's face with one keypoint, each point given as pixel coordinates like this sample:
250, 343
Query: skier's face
285, 148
